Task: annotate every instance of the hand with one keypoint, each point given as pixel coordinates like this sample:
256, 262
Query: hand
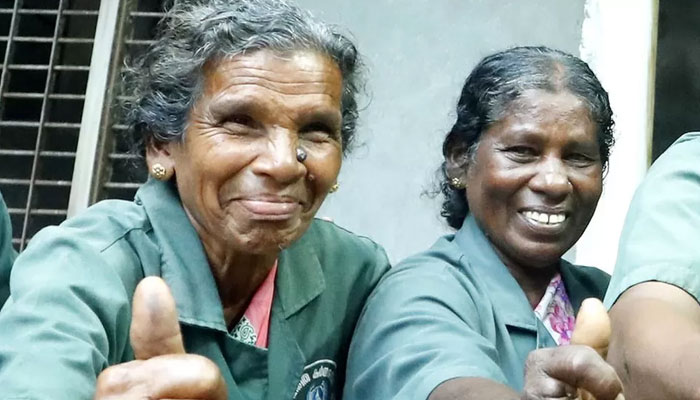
558, 373
162, 369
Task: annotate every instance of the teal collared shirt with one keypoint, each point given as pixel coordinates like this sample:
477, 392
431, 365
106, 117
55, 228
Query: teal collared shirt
660, 238
7, 252
68, 316
452, 311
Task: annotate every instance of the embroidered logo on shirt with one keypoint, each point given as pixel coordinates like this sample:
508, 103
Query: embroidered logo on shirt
245, 332
317, 382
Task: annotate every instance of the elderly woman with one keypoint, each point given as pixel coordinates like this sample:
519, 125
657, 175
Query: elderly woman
523, 173
7, 252
245, 109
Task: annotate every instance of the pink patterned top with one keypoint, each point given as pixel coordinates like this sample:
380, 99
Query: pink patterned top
556, 312
253, 327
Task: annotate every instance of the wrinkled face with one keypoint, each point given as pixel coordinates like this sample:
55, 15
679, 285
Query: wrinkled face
536, 178
236, 169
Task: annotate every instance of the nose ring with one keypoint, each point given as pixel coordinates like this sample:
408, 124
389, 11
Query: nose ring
301, 155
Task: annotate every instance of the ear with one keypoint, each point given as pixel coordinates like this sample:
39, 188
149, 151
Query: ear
457, 165
160, 153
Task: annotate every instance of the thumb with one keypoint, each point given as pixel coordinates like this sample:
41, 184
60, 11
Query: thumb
155, 329
592, 326
592, 329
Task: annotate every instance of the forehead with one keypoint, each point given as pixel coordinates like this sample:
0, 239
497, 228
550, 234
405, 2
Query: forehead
265, 73
539, 111
543, 104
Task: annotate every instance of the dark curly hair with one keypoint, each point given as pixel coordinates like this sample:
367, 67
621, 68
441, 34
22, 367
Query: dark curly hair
493, 84
162, 85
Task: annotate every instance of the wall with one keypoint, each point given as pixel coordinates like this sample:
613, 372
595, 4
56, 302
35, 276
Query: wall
623, 57
419, 52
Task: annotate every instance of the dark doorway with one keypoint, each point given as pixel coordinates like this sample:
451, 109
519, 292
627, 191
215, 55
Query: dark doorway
677, 98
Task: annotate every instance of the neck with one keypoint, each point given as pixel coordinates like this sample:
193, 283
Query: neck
238, 276
532, 280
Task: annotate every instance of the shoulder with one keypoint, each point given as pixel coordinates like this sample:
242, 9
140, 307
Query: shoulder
340, 250
101, 225
659, 238
583, 282
677, 166
336, 238
103, 240
438, 276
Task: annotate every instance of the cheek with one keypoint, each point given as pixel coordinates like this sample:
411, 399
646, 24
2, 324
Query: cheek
590, 188
324, 169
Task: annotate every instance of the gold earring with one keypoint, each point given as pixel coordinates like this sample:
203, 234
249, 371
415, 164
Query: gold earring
457, 183
334, 188
158, 171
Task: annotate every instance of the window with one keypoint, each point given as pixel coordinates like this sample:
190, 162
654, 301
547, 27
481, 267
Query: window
59, 58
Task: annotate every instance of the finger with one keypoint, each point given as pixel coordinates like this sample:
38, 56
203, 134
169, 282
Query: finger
155, 329
538, 385
592, 326
583, 368
173, 376
585, 395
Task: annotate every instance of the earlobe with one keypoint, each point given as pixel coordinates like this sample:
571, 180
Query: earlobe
160, 162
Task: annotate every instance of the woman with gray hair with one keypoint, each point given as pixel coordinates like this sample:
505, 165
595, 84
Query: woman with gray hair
216, 281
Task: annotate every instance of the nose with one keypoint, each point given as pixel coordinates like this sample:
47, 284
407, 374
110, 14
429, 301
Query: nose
551, 179
278, 158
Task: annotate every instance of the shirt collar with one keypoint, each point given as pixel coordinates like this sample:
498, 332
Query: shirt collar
300, 276
185, 267
508, 299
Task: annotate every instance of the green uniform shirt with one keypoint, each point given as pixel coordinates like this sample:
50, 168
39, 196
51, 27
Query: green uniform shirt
7, 252
452, 311
68, 315
660, 239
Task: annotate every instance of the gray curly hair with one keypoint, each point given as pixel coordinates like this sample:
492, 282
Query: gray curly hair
165, 82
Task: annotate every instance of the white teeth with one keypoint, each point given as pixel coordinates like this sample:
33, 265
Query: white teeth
544, 218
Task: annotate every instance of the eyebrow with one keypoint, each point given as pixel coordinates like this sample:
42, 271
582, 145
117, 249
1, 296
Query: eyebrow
330, 117
223, 106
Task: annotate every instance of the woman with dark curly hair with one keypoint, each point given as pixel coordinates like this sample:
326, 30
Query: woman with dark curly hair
244, 109
522, 174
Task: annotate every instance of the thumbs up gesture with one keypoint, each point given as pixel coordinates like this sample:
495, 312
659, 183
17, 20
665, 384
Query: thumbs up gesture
578, 371
162, 369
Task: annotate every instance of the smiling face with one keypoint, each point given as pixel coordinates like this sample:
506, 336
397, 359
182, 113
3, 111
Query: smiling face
236, 169
536, 178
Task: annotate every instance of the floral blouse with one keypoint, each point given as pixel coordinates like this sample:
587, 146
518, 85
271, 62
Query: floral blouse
556, 312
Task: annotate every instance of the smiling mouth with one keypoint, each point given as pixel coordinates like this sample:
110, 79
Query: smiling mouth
545, 219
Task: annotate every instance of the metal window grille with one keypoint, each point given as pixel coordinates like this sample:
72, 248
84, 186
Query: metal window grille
117, 176
45, 47
61, 138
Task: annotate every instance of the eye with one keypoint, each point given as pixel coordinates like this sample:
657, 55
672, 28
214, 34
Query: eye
581, 159
318, 132
239, 125
521, 153
240, 119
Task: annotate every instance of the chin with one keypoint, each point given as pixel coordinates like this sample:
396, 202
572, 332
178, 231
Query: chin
540, 258
262, 241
